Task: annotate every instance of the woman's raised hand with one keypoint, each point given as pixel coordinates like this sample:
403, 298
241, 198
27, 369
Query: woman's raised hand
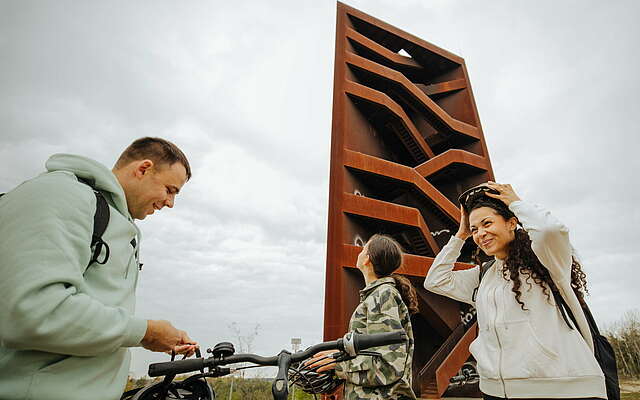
463, 231
506, 194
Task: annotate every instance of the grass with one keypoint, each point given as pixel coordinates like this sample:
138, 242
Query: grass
630, 389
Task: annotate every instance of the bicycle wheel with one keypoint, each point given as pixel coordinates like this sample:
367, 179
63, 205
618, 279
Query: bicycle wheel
128, 395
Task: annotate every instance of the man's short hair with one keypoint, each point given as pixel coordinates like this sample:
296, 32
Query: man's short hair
158, 150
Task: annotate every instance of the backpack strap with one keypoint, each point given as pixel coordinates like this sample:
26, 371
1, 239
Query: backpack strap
591, 321
565, 310
100, 222
483, 270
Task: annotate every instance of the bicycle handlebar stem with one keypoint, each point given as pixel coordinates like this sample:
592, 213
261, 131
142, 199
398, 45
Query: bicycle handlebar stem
280, 386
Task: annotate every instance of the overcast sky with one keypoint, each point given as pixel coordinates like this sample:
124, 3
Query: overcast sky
245, 89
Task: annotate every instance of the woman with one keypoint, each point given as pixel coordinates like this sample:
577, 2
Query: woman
524, 348
386, 303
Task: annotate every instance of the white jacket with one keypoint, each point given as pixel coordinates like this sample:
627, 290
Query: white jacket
528, 353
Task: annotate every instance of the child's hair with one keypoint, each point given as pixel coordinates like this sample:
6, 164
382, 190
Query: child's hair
386, 257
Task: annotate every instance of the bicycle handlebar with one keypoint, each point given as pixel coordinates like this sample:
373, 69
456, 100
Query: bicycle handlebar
360, 342
351, 343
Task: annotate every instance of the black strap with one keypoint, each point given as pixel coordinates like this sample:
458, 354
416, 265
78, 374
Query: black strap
564, 310
483, 270
591, 320
602, 349
100, 222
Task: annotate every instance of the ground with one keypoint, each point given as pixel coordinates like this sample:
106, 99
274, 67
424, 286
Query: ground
630, 389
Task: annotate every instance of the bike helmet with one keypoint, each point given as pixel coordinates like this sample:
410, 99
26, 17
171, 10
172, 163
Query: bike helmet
192, 388
313, 382
469, 196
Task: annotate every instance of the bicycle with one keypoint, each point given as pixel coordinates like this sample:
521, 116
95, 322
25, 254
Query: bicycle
195, 387
466, 375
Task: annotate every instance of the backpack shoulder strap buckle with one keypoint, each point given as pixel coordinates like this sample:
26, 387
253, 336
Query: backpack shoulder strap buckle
100, 222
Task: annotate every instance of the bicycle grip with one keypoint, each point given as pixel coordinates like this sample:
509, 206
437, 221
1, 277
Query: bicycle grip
176, 367
362, 342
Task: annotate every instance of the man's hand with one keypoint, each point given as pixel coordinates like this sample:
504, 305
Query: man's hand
161, 336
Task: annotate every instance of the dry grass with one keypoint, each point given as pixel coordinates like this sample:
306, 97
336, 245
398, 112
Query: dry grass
624, 336
630, 387
625, 339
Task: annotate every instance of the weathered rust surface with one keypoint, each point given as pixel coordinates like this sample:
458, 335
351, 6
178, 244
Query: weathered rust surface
406, 141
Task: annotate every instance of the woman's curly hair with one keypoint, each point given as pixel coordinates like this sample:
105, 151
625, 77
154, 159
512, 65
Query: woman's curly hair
522, 261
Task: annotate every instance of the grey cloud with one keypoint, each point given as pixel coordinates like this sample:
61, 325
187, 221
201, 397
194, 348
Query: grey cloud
246, 90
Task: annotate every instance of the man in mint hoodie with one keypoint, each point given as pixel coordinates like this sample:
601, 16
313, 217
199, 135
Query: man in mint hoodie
65, 325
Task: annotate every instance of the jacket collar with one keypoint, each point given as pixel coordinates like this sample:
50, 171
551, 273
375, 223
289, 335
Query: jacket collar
372, 285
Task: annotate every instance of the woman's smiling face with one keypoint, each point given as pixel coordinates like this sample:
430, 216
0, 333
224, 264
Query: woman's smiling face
491, 232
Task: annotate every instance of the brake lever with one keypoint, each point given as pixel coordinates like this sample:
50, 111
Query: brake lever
197, 353
217, 372
343, 356
340, 356
370, 353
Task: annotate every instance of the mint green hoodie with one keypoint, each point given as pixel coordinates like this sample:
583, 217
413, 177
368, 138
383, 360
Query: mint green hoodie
65, 328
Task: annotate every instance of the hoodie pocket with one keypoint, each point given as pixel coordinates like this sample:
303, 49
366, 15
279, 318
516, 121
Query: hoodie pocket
486, 352
524, 355
97, 377
53, 363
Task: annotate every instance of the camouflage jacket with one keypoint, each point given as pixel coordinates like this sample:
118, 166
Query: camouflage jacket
387, 376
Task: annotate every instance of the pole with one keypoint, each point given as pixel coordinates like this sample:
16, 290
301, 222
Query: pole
295, 343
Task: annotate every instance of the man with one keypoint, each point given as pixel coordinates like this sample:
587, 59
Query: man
66, 323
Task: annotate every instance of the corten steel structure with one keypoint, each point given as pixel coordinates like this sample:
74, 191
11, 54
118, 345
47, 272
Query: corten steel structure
406, 141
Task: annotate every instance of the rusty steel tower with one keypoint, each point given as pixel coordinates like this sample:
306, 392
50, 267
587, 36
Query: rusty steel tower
406, 141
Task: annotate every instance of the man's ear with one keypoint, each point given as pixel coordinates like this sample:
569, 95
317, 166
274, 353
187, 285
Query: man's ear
143, 167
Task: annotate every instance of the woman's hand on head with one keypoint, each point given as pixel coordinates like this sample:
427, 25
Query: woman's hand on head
506, 193
463, 231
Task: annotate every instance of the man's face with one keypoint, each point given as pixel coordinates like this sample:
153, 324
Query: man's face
154, 188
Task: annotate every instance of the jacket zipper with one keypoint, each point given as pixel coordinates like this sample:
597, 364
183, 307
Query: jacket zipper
495, 328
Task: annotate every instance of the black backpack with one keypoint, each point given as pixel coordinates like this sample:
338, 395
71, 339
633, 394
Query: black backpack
100, 222
602, 349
